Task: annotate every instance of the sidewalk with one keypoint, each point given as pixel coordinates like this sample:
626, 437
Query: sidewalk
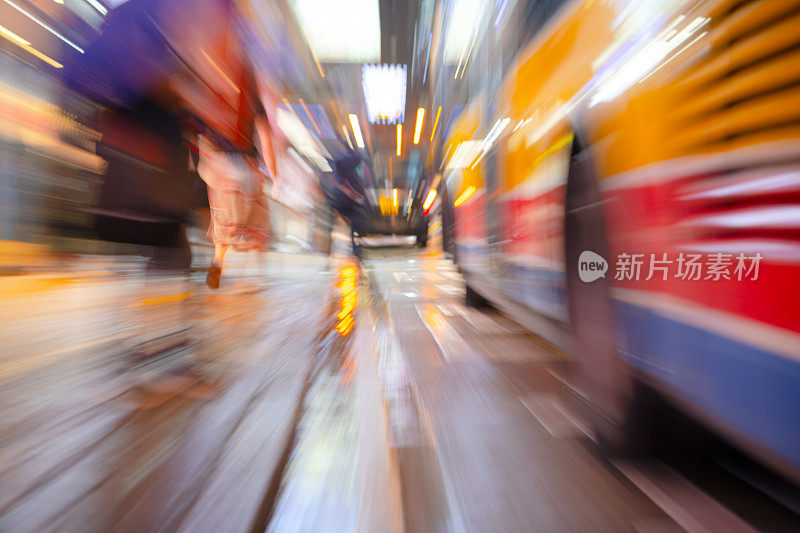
32, 267
16, 257
92, 439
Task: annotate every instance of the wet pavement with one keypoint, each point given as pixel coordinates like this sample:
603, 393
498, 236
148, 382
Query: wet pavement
99, 434
296, 400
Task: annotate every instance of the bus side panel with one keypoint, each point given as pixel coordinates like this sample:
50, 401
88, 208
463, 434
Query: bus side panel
471, 237
728, 348
744, 390
532, 251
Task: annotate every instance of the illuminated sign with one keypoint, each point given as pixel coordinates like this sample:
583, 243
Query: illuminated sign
343, 31
388, 205
384, 92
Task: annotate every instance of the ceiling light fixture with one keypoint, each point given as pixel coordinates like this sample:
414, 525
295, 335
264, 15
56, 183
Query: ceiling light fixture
384, 87
322, 22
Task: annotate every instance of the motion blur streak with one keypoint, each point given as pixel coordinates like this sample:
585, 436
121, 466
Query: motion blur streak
436, 122
356, 130
348, 300
240, 292
466, 195
429, 199
399, 139
418, 126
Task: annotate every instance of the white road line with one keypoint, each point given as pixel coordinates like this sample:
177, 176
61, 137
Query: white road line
688, 506
554, 417
451, 345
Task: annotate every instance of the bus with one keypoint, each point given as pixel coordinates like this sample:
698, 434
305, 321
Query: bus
629, 190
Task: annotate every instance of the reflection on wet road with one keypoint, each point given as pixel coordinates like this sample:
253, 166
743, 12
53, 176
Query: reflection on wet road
434, 417
322, 398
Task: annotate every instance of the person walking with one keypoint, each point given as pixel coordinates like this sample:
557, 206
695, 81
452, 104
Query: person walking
238, 203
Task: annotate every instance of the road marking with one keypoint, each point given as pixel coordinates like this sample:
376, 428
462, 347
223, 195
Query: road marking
688, 506
445, 309
451, 345
449, 289
568, 384
480, 322
548, 410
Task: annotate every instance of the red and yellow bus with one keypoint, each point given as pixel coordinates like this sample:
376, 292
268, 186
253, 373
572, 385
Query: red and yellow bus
656, 136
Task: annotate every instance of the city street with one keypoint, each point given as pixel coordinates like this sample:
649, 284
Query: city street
399, 265
425, 416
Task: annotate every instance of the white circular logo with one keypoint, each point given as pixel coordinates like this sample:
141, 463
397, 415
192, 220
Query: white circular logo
591, 266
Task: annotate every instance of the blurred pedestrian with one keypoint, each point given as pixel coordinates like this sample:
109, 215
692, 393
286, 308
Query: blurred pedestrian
239, 205
145, 197
349, 197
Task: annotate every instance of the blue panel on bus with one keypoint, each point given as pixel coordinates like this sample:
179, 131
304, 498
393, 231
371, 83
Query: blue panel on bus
473, 257
540, 289
752, 391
